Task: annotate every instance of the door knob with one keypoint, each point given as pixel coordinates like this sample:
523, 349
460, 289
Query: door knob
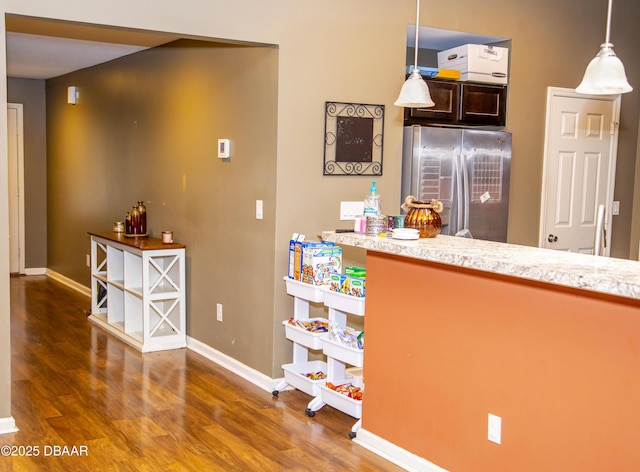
551, 238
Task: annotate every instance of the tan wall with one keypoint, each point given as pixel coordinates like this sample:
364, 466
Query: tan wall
31, 93
355, 51
146, 128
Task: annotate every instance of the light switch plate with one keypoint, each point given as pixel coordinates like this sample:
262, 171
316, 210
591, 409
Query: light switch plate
616, 208
224, 150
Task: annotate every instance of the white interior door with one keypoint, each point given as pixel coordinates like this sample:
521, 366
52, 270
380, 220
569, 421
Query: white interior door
16, 185
579, 169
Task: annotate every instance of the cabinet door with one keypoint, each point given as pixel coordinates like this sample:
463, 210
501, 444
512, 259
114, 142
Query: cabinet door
446, 96
483, 104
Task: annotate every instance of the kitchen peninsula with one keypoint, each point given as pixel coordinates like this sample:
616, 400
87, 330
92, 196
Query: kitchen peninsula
458, 329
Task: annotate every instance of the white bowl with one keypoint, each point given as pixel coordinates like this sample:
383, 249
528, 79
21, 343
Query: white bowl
406, 233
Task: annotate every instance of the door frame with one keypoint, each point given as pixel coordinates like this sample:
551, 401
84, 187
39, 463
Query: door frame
553, 92
20, 183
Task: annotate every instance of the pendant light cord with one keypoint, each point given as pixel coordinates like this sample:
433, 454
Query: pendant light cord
415, 52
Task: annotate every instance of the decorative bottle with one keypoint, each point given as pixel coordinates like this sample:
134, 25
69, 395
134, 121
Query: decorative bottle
127, 224
135, 221
143, 217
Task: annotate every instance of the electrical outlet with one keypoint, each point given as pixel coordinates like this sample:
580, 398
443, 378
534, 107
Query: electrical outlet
258, 209
495, 429
616, 208
88, 260
219, 312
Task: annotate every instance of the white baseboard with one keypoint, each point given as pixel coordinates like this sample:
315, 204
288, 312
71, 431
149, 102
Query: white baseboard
401, 457
8, 425
257, 378
35, 271
68, 282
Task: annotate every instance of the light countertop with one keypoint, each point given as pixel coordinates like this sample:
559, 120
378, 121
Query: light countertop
612, 276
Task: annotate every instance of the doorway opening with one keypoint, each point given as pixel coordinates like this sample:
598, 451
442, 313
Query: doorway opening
15, 144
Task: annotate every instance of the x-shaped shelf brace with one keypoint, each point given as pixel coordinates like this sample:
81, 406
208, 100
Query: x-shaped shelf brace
164, 274
101, 266
101, 303
164, 317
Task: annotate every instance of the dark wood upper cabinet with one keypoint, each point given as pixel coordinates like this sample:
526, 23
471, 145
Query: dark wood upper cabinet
446, 96
483, 104
462, 104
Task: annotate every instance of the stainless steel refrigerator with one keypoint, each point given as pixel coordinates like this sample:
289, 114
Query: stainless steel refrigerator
467, 170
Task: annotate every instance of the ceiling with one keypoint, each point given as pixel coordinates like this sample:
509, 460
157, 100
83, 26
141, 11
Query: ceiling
42, 49
441, 39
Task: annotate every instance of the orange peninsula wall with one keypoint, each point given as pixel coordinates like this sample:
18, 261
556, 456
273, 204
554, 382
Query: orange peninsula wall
447, 346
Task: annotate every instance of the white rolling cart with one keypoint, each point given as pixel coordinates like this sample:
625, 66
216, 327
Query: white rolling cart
338, 357
138, 290
303, 340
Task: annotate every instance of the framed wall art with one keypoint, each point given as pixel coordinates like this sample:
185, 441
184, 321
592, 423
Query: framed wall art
353, 139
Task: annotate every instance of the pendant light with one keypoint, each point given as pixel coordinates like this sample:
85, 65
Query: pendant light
414, 92
605, 74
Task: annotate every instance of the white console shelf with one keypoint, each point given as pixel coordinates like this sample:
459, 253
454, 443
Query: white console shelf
138, 290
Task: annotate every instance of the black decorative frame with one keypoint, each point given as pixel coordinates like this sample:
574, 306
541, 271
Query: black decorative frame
353, 139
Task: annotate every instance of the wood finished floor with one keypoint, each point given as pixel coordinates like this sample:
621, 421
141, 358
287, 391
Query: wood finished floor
75, 385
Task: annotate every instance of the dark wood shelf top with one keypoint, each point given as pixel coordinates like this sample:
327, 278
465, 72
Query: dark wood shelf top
144, 243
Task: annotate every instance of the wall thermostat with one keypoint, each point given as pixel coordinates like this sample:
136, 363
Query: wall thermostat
223, 148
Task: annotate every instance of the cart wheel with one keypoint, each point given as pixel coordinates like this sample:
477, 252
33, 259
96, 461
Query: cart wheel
352, 434
310, 413
275, 393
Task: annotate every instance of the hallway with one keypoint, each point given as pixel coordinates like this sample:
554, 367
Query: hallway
74, 385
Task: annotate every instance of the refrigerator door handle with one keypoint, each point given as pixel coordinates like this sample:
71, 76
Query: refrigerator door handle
467, 199
601, 232
459, 191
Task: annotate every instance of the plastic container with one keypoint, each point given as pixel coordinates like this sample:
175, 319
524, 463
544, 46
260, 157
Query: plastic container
341, 402
342, 352
344, 303
304, 337
312, 293
295, 375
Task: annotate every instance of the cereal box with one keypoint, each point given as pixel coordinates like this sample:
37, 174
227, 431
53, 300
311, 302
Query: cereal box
292, 251
347, 284
318, 263
358, 287
356, 271
299, 247
335, 282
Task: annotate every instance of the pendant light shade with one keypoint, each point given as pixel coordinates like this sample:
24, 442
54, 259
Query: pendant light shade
415, 92
605, 73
